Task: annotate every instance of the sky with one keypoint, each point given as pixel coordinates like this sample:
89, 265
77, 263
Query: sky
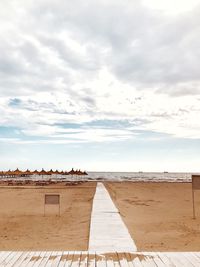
104, 85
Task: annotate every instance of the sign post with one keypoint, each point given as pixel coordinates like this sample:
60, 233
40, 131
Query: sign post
195, 186
51, 199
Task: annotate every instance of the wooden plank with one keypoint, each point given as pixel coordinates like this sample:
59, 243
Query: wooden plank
165, 259
57, 259
122, 259
146, 260
39, 259
128, 258
27, 259
100, 260
175, 257
63, 259
52, 259
4, 255
19, 260
156, 259
91, 259
11, 257
197, 255
1, 253
109, 260
84, 259
191, 259
16, 256
8, 258
76, 259
112, 259
34, 258
69, 259
183, 259
45, 258
135, 259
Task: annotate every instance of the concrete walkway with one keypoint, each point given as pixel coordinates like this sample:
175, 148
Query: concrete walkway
108, 232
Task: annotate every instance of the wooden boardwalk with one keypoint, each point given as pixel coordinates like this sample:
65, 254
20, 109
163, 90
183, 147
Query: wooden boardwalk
91, 259
108, 232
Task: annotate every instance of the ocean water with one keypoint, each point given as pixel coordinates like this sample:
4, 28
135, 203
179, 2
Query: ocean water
117, 176
141, 176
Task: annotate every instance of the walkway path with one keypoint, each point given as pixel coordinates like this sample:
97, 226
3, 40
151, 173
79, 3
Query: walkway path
87, 259
108, 233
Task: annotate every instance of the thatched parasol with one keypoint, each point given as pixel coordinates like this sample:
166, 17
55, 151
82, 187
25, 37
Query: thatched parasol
17, 172
9, 173
42, 172
56, 172
50, 172
72, 172
79, 172
27, 173
35, 172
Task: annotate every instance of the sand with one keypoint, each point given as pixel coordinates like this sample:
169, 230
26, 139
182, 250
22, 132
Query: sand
24, 227
158, 215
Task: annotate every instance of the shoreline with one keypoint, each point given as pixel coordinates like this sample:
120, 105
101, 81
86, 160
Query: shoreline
61, 181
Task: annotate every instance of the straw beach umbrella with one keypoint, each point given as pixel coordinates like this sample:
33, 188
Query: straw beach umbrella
2, 173
78, 172
9, 173
42, 172
72, 172
35, 172
56, 173
17, 172
51, 172
27, 173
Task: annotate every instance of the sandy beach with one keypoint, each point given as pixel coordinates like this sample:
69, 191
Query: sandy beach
24, 227
158, 215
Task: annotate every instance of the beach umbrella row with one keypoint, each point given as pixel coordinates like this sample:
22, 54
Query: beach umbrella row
17, 173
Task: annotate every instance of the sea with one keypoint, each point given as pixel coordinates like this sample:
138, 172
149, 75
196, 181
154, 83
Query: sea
117, 176
141, 176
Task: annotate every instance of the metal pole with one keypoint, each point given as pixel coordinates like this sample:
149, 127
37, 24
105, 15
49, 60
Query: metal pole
193, 204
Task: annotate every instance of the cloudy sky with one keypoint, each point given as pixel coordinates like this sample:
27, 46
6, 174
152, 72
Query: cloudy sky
100, 85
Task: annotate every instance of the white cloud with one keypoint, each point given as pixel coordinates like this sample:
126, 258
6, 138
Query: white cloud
173, 7
81, 61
